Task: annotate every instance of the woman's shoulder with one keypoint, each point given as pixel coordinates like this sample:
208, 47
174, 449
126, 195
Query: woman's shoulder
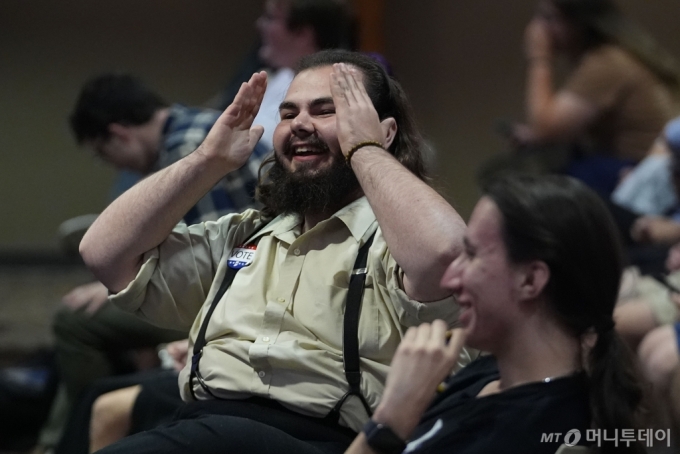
502, 422
609, 55
483, 368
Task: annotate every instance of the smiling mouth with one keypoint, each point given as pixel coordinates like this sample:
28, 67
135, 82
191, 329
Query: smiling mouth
304, 147
306, 150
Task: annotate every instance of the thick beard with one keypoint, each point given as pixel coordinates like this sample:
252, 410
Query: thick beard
306, 191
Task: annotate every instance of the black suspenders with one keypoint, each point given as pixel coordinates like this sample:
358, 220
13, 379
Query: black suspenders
350, 332
350, 338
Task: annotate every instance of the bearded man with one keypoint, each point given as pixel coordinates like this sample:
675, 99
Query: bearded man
267, 294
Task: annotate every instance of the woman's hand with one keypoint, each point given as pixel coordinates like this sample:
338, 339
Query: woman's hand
233, 137
655, 230
537, 40
422, 361
522, 135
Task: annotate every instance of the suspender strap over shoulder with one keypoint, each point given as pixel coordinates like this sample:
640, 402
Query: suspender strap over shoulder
229, 276
350, 339
350, 333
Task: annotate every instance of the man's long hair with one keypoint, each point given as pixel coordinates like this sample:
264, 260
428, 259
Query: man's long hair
389, 100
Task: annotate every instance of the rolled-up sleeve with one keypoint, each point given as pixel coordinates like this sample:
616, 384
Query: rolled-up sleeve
176, 277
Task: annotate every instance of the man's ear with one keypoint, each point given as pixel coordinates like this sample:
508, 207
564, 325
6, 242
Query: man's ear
534, 277
119, 131
389, 128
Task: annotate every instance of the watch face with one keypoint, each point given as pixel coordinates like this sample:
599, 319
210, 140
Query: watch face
382, 439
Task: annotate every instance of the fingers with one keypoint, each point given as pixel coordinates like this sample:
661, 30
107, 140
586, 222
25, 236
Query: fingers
438, 331
260, 86
348, 80
247, 102
338, 88
456, 342
257, 85
234, 109
349, 83
427, 334
358, 86
411, 334
255, 135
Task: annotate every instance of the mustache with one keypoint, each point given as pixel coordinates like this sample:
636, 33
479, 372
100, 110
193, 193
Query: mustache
312, 141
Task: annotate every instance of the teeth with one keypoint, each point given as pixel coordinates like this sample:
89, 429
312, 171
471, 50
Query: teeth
306, 150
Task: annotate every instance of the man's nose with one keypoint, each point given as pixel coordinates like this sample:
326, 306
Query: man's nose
302, 124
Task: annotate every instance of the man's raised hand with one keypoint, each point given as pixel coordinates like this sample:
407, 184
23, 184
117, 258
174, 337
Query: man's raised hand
233, 137
356, 117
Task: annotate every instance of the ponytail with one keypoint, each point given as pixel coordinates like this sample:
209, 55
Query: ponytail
615, 392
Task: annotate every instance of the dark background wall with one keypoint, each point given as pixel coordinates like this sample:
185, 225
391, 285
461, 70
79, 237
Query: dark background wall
460, 61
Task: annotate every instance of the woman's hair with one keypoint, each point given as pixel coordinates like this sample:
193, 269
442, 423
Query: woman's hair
558, 220
603, 21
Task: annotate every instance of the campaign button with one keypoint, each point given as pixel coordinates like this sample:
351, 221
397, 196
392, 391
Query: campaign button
241, 256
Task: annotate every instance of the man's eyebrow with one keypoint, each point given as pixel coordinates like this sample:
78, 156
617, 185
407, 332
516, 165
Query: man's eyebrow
321, 101
289, 105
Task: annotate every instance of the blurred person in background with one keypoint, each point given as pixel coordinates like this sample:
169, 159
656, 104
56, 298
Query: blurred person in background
289, 30
128, 125
620, 90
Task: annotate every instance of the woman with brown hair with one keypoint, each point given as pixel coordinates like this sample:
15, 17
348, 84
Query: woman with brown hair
536, 286
619, 93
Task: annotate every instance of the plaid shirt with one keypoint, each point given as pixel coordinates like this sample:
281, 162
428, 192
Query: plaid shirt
183, 132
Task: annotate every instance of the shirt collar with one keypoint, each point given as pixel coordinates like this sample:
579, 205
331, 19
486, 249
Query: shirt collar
357, 216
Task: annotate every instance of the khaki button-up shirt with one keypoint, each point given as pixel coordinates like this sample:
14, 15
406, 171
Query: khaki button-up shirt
277, 332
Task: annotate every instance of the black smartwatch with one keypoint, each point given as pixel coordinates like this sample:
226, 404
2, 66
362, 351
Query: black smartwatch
381, 438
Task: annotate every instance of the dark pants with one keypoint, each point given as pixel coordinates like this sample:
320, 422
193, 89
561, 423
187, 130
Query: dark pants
155, 405
89, 347
256, 425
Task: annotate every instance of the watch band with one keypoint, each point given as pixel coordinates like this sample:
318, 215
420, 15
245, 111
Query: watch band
382, 439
